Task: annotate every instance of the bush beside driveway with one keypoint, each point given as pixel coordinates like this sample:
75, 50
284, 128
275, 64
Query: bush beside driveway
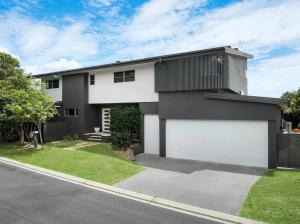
95, 162
275, 198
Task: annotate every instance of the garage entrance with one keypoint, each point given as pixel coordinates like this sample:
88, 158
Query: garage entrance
238, 142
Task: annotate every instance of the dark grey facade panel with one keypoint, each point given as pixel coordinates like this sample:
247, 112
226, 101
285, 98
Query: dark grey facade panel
241, 98
149, 108
162, 137
273, 131
194, 105
91, 111
191, 73
54, 131
74, 96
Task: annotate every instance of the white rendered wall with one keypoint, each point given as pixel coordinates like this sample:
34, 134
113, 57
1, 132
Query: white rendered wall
56, 93
224, 141
140, 90
151, 134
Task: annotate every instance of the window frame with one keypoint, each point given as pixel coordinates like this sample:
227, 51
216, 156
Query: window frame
92, 80
50, 84
124, 76
67, 112
129, 76
120, 77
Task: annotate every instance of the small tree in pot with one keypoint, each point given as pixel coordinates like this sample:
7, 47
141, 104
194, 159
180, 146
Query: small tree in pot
124, 127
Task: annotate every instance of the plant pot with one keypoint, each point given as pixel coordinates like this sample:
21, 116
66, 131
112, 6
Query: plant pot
97, 129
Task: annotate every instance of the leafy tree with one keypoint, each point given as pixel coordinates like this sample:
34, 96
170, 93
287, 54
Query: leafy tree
16, 110
124, 127
9, 66
42, 108
21, 100
293, 104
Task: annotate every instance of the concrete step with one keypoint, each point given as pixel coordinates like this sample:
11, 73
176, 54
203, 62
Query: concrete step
94, 139
94, 136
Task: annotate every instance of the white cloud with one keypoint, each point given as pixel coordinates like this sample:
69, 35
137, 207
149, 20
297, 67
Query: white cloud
40, 42
258, 27
272, 77
172, 26
99, 3
161, 27
56, 65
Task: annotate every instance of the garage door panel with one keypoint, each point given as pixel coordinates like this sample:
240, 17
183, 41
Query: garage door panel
151, 134
225, 141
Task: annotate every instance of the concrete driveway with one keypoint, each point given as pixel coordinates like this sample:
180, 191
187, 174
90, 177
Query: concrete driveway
212, 186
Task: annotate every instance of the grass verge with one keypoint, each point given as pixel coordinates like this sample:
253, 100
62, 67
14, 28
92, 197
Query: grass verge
98, 162
275, 198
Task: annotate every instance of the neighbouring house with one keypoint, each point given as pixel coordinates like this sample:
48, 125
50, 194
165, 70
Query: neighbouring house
194, 105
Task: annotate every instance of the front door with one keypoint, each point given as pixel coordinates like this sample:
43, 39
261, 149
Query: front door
106, 120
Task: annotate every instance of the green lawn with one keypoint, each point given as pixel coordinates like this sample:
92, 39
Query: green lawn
275, 198
98, 162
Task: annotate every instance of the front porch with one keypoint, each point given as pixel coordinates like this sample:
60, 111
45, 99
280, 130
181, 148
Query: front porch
97, 137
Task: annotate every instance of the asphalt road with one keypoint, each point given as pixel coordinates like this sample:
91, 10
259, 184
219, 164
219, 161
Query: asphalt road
27, 197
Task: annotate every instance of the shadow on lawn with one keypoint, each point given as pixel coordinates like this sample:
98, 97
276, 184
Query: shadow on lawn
11, 150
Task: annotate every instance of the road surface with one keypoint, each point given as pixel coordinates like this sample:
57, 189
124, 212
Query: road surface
27, 197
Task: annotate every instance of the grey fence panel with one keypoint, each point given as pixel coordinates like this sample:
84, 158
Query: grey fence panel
289, 150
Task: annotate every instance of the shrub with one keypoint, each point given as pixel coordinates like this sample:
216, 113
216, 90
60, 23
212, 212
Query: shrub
124, 127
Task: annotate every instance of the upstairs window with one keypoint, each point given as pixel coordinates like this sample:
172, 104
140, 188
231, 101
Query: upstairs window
71, 112
125, 76
129, 76
52, 84
92, 80
118, 77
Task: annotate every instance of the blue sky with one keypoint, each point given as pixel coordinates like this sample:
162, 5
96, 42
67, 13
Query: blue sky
49, 35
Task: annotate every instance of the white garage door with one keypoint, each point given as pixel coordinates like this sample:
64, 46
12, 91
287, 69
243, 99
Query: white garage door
151, 134
224, 141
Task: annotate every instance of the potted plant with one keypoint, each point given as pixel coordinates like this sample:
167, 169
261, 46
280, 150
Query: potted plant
97, 129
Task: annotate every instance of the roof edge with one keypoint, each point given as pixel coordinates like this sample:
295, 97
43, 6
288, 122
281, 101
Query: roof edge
252, 99
227, 49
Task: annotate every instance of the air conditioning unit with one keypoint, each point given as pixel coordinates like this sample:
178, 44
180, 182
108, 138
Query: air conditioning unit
287, 126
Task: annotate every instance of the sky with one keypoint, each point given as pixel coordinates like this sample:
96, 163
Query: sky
49, 35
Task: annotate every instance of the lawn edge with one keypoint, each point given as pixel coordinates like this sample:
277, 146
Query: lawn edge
147, 199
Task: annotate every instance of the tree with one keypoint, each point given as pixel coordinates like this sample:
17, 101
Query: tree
9, 66
16, 110
21, 100
13, 83
293, 104
42, 108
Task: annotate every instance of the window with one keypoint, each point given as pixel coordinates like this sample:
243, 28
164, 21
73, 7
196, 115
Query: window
118, 77
52, 84
127, 76
71, 112
92, 79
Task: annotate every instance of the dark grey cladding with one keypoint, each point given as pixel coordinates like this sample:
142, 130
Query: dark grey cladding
211, 71
149, 108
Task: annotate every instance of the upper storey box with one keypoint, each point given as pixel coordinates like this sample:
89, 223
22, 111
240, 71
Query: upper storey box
213, 69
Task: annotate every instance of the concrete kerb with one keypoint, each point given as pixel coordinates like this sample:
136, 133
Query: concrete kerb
159, 202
